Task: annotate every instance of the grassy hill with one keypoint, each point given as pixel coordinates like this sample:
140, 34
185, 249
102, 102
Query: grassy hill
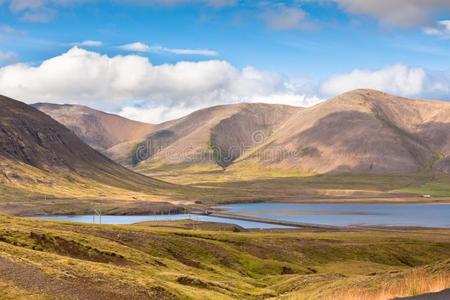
43, 260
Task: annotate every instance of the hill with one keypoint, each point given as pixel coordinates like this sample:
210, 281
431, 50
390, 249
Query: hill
216, 135
40, 157
363, 143
359, 132
363, 131
41, 260
98, 129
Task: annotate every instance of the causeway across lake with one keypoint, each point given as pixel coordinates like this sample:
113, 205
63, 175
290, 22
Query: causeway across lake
421, 215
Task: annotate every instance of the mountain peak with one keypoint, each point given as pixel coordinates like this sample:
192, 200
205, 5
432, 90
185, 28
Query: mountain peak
366, 92
363, 94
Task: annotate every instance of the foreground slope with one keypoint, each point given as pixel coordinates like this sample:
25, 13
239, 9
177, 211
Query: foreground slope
98, 129
39, 155
46, 260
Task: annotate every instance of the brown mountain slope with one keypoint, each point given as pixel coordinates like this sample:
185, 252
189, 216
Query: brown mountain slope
98, 129
363, 131
217, 134
39, 155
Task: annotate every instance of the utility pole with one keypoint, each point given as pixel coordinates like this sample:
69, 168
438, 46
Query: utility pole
99, 213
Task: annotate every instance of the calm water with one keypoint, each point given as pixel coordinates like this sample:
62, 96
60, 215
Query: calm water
426, 215
136, 219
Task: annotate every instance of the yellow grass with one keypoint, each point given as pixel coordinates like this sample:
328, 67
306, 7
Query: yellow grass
417, 282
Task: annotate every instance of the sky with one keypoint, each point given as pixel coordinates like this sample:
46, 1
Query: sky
155, 60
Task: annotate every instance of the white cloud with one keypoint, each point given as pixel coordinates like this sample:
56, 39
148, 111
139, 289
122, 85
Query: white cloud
88, 43
404, 13
141, 47
442, 29
282, 17
136, 47
201, 52
110, 83
161, 113
136, 88
156, 114
397, 79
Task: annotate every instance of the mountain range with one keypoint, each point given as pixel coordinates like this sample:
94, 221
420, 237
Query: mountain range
362, 131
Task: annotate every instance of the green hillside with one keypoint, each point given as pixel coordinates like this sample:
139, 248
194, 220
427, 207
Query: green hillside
44, 260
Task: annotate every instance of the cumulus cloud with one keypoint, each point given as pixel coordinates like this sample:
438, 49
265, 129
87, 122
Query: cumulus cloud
441, 29
157, 114
397, 79
160, 113
141, 47
404, 13
282, 17
138, 89
111, 83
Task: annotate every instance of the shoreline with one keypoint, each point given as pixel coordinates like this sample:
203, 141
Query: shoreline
222, 214
141, 208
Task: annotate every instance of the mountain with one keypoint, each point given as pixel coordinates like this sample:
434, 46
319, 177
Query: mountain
185, 140
362, 131
213, 135
98, 129
39, 155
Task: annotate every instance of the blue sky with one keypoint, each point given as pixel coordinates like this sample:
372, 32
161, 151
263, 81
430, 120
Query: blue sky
294, 52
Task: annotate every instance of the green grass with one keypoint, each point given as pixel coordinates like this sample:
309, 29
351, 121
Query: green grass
246, 182
175, 263
27, 190
435, 189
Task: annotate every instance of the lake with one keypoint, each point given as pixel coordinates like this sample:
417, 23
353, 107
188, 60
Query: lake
136, 219
424, 215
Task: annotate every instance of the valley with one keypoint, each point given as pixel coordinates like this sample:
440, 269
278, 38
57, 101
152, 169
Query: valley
392, 179
242, 151
224, 150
